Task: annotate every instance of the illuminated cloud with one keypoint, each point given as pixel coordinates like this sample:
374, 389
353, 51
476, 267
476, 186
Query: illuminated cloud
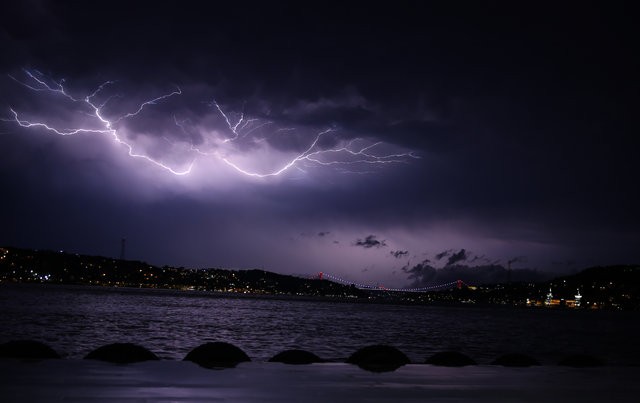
245, 143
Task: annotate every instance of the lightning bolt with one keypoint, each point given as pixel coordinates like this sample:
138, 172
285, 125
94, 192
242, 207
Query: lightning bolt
232, 127
312, 155
347, 157
39, 84
304, 156
240, 124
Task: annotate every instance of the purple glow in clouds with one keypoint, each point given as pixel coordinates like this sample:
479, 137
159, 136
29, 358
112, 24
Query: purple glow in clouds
244, 146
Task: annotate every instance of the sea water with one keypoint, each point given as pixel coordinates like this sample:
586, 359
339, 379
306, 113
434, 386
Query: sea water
74, 320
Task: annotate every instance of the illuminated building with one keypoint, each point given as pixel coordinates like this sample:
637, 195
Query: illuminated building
547, 302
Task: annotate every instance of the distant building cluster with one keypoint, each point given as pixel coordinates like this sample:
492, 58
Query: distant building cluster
613, 287
24, 266
551, 302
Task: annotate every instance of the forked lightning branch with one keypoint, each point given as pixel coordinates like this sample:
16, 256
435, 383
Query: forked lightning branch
347, 155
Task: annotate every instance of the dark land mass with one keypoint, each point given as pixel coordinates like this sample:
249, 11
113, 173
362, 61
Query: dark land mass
610, 287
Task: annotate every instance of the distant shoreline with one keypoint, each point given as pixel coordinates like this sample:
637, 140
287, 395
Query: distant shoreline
610, 287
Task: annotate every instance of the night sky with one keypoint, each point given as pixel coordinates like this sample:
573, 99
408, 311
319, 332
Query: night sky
363, 140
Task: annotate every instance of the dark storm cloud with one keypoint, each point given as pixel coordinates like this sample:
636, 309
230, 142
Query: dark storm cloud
399, 253
517, 259
418, 130
457, 257
421, 274
323, 233
369, 242
443, 254
425, 275
482, 259
522, 117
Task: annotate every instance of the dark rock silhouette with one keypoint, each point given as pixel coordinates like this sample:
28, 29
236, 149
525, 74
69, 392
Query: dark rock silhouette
450, 359
217, 355
121, 353
581, 361
295, 357
378, 358
27, 349
515, 360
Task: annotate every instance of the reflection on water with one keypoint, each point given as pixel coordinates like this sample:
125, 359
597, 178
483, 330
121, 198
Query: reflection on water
76, 320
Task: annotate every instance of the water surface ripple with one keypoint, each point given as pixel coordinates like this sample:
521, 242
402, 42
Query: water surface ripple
75, 320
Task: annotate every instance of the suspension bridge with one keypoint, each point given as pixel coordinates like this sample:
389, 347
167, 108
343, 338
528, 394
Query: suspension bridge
434, 287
